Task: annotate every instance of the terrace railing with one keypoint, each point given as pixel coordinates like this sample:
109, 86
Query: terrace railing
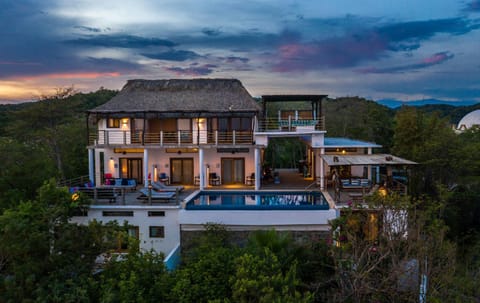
170, 138
290, 124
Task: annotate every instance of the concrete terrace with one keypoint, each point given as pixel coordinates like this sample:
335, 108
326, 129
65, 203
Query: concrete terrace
290, 179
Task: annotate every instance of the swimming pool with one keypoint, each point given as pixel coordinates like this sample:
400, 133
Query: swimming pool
257, 200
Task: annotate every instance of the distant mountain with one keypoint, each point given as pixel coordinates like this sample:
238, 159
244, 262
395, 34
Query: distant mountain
392, 103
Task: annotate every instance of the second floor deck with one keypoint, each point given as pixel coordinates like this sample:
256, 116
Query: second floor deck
122, 137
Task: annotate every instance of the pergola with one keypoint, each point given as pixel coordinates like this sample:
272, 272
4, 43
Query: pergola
372, 159
316, 101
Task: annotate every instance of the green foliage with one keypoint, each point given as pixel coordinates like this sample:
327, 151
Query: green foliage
207, 268
260, 278
357, 118
44, 257
284, 152
43, 140
431, 142
135, 277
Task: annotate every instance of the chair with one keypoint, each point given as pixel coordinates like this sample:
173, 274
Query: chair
161, 187
165, 195
164, 178
214, 179
250, 180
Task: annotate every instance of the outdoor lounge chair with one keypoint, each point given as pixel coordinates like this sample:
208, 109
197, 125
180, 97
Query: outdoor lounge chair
160, 186
166, 195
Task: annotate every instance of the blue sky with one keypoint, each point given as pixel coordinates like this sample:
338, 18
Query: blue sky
378, 49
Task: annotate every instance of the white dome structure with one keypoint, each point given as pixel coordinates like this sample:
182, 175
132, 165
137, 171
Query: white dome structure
469, 120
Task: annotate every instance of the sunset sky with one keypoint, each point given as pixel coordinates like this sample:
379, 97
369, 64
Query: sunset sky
377, 49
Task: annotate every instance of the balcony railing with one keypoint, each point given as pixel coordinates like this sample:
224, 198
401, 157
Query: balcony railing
172, 138
290, 124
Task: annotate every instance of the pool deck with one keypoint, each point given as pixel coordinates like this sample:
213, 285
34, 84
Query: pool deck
289, 180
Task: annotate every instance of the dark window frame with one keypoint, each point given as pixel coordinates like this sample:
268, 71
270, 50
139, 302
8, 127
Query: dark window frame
156, 231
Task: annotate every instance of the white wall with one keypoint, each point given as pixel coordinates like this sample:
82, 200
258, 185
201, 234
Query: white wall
258, 217
143, 221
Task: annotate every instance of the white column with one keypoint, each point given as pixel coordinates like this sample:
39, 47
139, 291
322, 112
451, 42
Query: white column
258, 170
369, 167
98, 180
201, 168
91, 165
145, 167
322, 169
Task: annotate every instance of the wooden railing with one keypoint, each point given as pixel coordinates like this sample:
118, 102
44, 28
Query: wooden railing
170, 138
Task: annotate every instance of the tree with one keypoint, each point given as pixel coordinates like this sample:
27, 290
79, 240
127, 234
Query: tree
207, 268
430, 141
54, 128
386, 249
260, 278
43, 256
136, 277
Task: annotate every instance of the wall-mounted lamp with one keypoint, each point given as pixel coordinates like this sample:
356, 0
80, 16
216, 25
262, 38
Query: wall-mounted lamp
344, 151
124, 123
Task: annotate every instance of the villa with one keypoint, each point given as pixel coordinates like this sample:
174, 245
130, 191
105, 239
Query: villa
195, 148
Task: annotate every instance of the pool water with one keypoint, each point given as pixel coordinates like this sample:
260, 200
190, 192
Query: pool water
249, 200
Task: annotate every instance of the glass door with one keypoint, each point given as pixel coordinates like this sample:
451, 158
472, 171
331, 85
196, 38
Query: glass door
181, 170
233, 170
131, 168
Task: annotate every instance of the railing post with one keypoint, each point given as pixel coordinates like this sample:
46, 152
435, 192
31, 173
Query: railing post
216, 137
161, 138
179, 138
107, 139
124, 137
234, 133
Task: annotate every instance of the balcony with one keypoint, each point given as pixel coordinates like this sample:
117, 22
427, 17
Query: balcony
170, 138
290, 124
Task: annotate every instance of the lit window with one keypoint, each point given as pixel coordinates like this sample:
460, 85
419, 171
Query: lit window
113, 123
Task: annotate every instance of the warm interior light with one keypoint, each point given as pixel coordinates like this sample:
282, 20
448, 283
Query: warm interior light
344, 151
124, 123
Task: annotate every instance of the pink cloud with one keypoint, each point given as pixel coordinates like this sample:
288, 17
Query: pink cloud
79, 75
436, 58
335, 52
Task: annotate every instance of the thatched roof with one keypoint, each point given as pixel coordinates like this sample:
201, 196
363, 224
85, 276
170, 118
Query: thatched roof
177, 96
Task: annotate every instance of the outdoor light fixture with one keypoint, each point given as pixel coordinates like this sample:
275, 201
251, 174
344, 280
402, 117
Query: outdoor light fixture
382, 191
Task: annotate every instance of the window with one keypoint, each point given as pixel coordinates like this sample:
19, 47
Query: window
157, 232
113, 123
117, 213
156, 214
128, 238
